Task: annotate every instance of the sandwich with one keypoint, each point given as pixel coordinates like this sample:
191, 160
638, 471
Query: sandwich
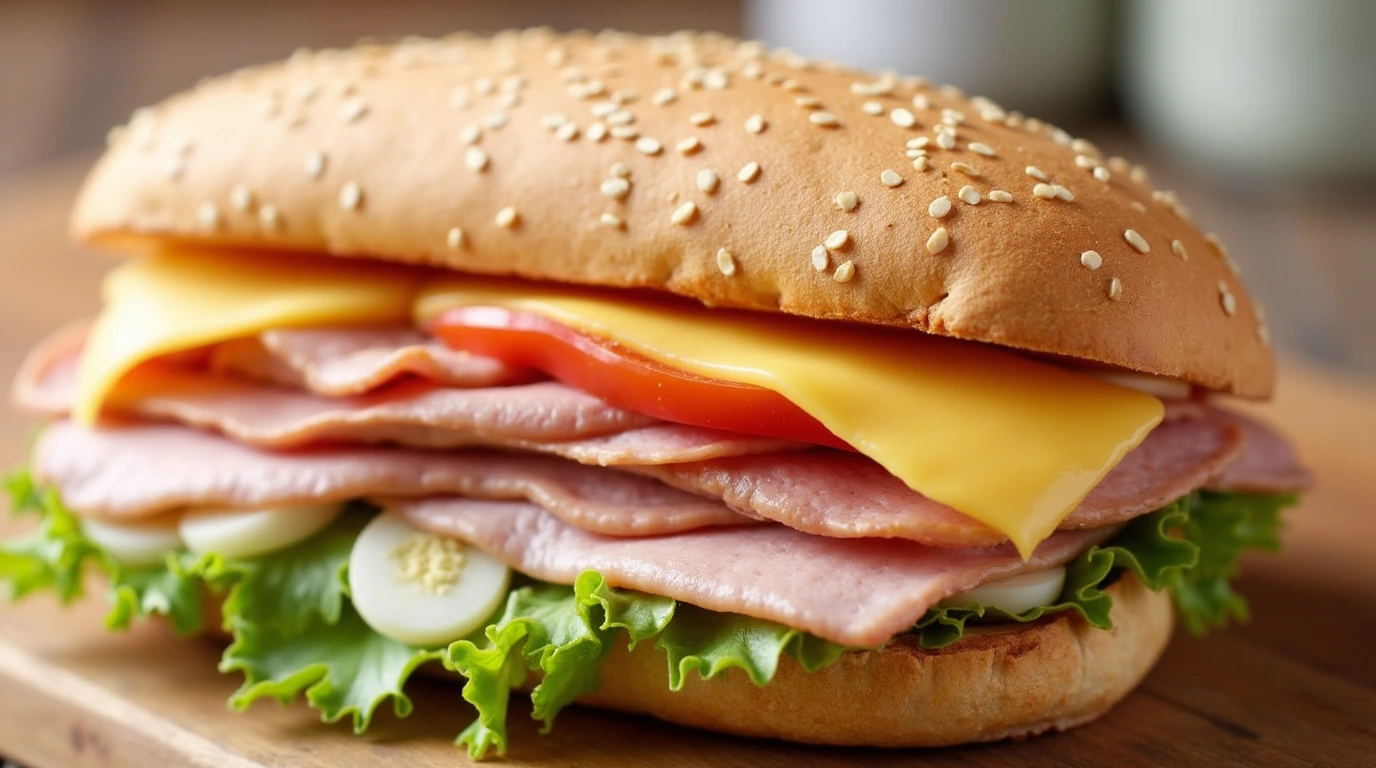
672, 375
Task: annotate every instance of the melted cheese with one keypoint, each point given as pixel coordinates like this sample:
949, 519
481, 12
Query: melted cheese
1011, 442
170, 303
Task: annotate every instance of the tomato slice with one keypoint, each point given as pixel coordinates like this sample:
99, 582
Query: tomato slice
625, 378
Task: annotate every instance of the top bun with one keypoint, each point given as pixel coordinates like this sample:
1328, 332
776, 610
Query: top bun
696, 164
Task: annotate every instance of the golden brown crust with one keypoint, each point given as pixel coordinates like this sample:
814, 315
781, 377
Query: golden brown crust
234, 162
1009, 683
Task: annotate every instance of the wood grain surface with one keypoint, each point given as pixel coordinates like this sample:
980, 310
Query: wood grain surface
1295, 687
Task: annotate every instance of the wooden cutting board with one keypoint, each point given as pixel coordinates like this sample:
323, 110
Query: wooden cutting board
1295, 687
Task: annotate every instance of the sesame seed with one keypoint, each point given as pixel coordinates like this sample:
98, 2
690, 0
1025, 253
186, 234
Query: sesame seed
837, 240
269, 217
820, 258
507, 217
471, 135
918, 142
1092, 259
1101, 173
610, 220
510, 100
980, 148
938, 241
1115, 289
922, 102
1062, 193
625, 96
847, 201
716, 80
755, 124
1137, 206
624, 132
1043, 191
969, 195
1136, 240
890, 178
915, 152
965, 168
240, 198
208, 214
648, 146
616, 188
749, 172
708, 180
1227, 299
1084, 147
873, 108
688, 146
597, 132
952, 117
352, 110
350, 196
945, 138
939, 207
823, 119
726, 262
619, 170
496, 121
567, 132
1059, 136
808, 102
315, 164
1178, 248
684, 214
1085, 161
618, 116
475, 158
1263, 334
454, 239
752, 70
701, 119
459, 99
553, 120
919, 163
484, 85
664, 96
999, 196
793, 85
844, 272
903, 118
1139, 175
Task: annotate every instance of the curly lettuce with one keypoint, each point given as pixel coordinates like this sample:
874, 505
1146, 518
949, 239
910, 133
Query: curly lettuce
295, 634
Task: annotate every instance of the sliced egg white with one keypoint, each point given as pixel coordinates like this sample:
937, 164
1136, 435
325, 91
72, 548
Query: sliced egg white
136, 543
1016, 593
419, 588
1163, 387
248, 533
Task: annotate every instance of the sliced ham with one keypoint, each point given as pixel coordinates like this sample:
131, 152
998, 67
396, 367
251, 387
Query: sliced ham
1269, 465
545, 417
859, 592
146, 469
842, 495
338, 362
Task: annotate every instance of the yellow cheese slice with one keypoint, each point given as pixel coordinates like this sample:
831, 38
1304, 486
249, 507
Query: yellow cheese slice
173, 302
1009, 441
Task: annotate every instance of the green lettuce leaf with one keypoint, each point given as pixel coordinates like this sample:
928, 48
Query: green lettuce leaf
1222, 526
161, 591
52, 556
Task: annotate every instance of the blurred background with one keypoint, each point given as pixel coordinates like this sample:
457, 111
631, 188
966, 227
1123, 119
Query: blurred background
1262, 115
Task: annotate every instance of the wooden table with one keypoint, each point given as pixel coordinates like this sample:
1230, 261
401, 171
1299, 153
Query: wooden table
1295, 687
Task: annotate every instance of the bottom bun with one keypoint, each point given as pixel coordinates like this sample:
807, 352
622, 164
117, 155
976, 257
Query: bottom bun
998, 682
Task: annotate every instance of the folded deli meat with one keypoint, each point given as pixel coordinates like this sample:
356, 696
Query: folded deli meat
662, 374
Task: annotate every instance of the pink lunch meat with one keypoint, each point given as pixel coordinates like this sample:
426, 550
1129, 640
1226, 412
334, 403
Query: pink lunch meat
858, 592
145, 469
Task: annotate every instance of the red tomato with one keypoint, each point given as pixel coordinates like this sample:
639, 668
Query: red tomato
624, 378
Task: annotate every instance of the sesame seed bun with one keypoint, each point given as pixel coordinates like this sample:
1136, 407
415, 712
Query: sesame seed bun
1010, 681
699, 165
